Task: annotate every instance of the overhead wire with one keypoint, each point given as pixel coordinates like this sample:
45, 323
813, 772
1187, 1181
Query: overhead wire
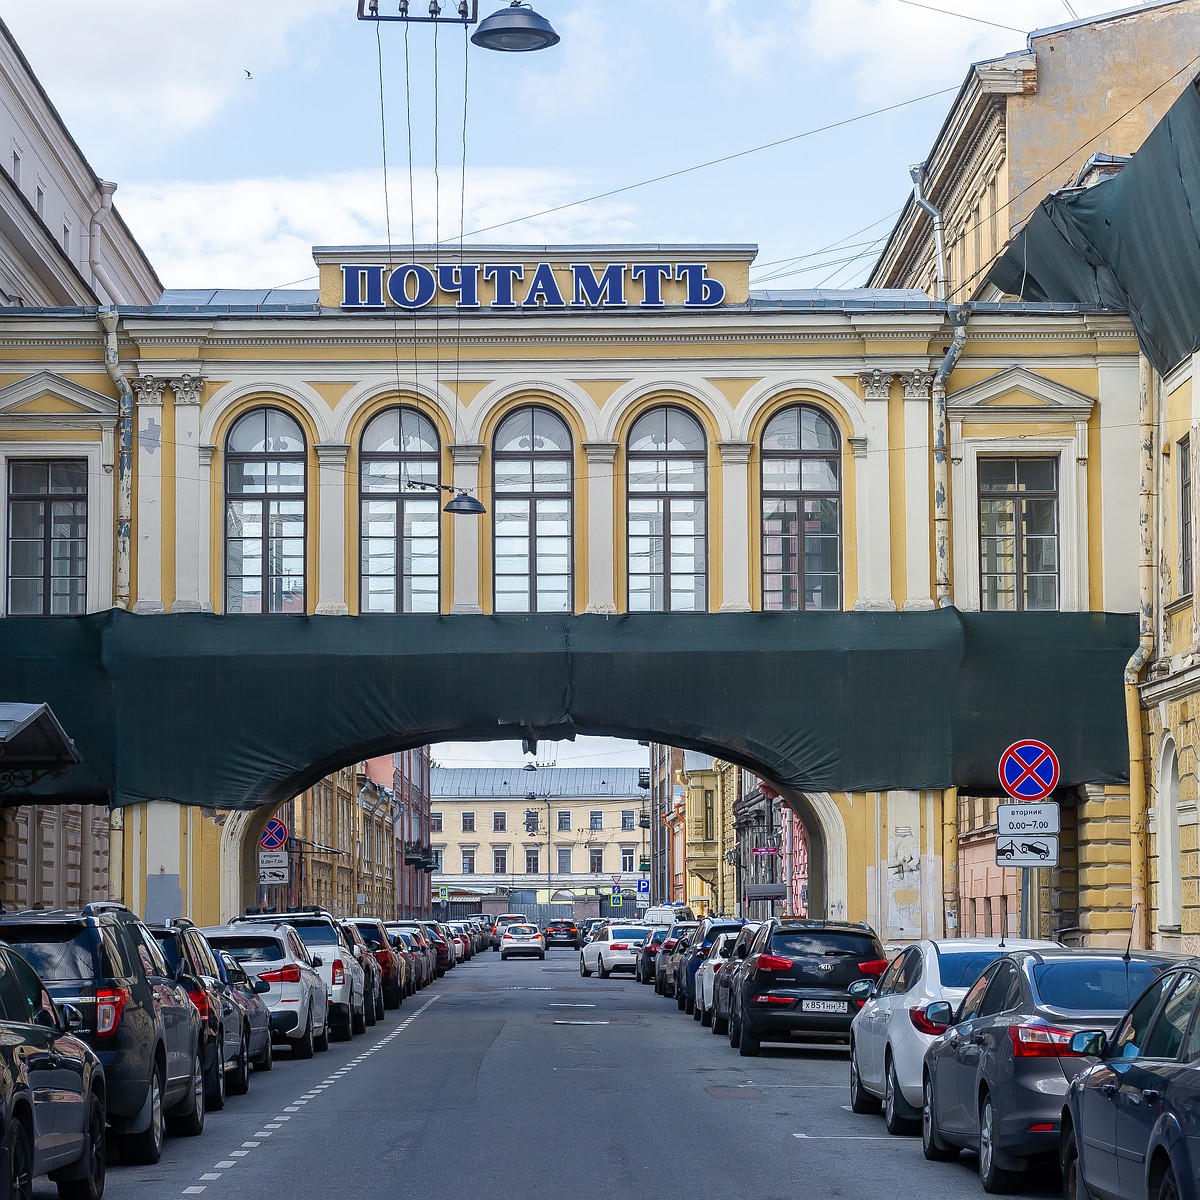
946, 12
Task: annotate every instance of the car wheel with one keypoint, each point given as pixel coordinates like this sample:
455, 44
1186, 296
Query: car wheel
584, 970
932, 1145
303, 1047
90, 1184
214, 1086
749, 1043
657, 986
697, 1011
380, 1007
706, 1017
542, 956
735, 1030
996, 1180
719, 1024
145, 1148
321, 1040
239, 1078
898, 1116
1168, 1186
369, 1017
189, 1121
358, 1020
268, 1055
689, 1002
18, 1163
861, 1101
604, 973
1073, 1186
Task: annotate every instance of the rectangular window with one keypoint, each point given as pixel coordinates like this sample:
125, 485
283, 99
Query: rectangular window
564, 861
499, 862
532, 820
709, 815
627, 818
531, 862
596, 819
1018, 534
499, 822
1185, 516
564, 820
596, 860
468, 822
626, 858
468, 862
437, 859
47, 537
435, 822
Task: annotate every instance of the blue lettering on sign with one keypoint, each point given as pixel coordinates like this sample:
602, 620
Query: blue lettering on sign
504, 274
426, 286
362, 286
544, 289
652, 275
608, 290
702, 291
461, 279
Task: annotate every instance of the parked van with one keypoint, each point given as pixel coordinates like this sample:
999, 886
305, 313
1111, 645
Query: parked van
667, 914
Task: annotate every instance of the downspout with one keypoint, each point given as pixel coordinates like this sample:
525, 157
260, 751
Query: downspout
941, 473
95, 233
112, 364
939, 238
1147, 501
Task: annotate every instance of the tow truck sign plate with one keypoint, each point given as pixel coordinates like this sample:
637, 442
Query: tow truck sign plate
1021, 820
1028, 851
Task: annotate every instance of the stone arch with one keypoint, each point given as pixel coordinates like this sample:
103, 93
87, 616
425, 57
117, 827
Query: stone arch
628, 403
567, 399
233, 399
767, 398
828, 852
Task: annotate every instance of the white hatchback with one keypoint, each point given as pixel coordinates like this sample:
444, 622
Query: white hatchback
890, 1033
614, 948
522, 939
706, 974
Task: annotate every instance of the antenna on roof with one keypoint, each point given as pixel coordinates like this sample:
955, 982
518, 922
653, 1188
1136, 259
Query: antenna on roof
1129, 944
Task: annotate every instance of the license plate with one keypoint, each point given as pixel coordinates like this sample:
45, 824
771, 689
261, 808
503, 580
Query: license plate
824, 1006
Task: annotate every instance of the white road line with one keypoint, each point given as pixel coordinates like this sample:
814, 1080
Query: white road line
581, 1022
848, 1137
224, 1165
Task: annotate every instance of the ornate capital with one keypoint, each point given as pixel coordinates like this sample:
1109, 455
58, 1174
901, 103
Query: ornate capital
876, 384
601, 452
187, 389
916, 384
735, 453
149, 390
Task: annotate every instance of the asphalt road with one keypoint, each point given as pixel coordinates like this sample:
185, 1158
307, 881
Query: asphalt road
522, 1079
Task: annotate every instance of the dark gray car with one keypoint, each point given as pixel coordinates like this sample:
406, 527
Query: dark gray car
996, 1080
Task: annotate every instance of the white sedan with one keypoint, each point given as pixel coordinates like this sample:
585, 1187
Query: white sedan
522, 939
890, 1033
614, 948
706, 974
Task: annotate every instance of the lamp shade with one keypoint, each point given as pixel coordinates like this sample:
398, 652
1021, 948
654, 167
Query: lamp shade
464, 505
515, 30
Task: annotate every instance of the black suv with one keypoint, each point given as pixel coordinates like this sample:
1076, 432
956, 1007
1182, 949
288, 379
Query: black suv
194, 964
563, 933
136, 1016
793, 980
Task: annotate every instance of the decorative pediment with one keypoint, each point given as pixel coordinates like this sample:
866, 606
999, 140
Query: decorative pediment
1018, 394
47, 395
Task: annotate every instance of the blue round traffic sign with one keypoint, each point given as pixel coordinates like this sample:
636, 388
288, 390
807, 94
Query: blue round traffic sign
274, 835
1029, 770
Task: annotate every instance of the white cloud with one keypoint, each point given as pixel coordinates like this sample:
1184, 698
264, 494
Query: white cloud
260, 232
164, 68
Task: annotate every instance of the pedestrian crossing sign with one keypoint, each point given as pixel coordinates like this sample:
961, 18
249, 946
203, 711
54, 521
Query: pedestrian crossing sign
614, 900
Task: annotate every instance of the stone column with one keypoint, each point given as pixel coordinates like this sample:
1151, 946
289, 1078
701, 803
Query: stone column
735, 525
918, 513
331, 548
204, 457
465, 597
874, 523
148, 391
602, 526
189, 496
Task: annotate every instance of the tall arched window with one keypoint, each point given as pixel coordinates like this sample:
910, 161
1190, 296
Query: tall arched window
802, 511
399, 519
667, 471
264, 514
533, 522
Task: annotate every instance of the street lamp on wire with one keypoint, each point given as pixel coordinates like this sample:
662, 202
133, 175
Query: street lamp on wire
516, 29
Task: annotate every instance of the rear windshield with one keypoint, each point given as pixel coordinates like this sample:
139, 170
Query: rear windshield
168, 943
248, 949
825, 943
56, 953
960, 968
317, 935
717, 930
1091, 985
659, 935
628, 933
522, 930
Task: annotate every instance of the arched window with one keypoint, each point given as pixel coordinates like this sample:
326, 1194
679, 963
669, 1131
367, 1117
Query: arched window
399, 519
533, 523
264, 514
667, 471
802, 511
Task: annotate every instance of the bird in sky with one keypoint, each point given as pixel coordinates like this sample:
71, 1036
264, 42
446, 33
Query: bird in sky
248, 75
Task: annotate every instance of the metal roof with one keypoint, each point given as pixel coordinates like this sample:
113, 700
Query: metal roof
498, 783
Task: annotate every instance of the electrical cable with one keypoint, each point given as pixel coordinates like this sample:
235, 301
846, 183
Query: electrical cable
946, 12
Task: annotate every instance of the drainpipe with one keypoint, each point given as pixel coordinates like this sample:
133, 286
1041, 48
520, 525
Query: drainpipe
939, 239
941, 474
112, 364
1147, 502
95, 236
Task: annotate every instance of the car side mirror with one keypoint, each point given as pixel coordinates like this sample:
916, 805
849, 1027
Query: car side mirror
374, 945
259, 986
317, 961
1089, 1041
682, 944
725, 951
742, 951
861, 989
71, 1017
939, 1013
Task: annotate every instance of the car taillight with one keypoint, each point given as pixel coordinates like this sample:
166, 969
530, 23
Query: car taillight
874, 967
384, 957
507, 937
200, 999
922, 1024
573, 929
110, 1004
669, 945
339, 971
716, 967
773, 962
288, 974
1041, 1041
619, 946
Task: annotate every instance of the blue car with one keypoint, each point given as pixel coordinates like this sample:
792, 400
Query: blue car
696, 953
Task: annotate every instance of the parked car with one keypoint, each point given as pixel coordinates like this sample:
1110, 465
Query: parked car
51, 1090
254, 1018
297, 997
890, 1034
425, 951
1130, 1123
719, 950
643, 972
726, 980
668, 914
795, 979
490, 936
442, 944
996, 1080
343, 975
393, 966
135, 1015
523, 940
699, 945
563, 933
372, 971
666, 966
591, 927
614, 948
407, 943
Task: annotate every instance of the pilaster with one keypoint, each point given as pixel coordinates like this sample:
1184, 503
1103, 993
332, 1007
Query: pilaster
874, 499
918, 513
601, 530
204, 457
148, 394
189, 498
465, 594
735, 524
331, 551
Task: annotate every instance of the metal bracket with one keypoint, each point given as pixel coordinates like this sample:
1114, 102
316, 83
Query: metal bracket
467, 12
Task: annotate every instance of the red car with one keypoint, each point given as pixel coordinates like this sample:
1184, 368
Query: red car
395, 982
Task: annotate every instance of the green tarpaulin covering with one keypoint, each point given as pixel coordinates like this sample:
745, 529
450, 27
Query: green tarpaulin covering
239, 711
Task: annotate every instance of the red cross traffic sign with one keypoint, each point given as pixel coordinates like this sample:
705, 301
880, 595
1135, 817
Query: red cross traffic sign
1029, 770
274, 835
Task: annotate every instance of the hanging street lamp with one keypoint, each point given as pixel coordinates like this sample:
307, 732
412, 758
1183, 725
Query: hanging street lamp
513, 30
